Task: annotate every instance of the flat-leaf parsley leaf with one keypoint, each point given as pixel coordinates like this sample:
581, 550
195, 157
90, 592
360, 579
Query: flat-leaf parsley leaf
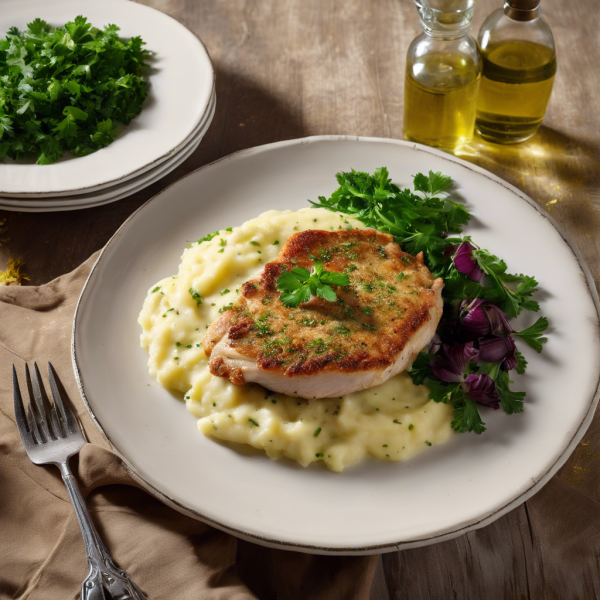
299, 284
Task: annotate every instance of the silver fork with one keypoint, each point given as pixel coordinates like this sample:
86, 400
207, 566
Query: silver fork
51, 435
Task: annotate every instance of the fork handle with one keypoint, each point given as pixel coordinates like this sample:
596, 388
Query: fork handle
103, 573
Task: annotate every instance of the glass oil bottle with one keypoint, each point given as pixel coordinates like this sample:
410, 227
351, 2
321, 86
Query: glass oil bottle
443, 70
519, 63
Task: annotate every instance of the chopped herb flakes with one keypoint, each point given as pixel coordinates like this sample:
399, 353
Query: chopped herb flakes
155, 289
317, 432
253, 422
319, 454
208, 237
411, 427
196, 296
428, 443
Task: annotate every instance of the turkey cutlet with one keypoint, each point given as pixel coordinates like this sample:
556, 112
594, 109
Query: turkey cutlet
382, 319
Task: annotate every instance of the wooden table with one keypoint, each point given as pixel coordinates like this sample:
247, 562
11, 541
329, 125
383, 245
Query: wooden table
293, 68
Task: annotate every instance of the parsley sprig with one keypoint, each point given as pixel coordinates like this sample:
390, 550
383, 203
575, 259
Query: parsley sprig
66, 89
419, 222
299, 284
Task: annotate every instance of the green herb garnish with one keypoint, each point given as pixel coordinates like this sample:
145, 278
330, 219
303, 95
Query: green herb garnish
477, 285
66, 89
299, 284
196, 296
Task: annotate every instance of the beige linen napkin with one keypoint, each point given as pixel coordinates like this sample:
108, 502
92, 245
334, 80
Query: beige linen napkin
168, 555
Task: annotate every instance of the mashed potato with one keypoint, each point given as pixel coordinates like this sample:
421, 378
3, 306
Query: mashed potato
391, 422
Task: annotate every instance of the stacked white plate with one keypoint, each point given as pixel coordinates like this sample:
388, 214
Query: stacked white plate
176, 115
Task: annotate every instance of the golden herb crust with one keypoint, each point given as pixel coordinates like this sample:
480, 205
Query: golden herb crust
388, 299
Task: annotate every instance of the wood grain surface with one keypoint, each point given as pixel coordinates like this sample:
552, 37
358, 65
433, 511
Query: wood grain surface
292, 68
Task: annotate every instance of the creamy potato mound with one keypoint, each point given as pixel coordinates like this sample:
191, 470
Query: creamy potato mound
390, 422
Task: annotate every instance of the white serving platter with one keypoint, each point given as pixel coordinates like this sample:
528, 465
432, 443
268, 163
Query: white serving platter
375, 506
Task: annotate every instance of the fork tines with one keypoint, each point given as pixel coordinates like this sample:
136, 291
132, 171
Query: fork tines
43, 421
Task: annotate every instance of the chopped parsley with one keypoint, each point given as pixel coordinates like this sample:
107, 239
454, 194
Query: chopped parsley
155, 289
66, 89
317, 432
196, 296
342, 330
208, 237
253, 422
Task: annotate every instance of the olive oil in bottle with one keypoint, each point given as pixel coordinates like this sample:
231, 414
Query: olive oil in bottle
443, 70
443, 112
519, 63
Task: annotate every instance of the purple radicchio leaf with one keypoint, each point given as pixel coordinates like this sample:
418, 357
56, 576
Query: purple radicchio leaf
479, 318
498, 349
451, 362
482, 389
464, 261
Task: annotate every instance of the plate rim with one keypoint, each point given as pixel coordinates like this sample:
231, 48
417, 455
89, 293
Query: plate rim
377, 548
162, 157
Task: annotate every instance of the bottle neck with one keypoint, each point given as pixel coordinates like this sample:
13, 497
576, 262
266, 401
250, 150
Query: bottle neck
446, 35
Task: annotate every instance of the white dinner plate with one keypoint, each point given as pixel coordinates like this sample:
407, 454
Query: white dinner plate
374, 506
114, 193
181, 83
